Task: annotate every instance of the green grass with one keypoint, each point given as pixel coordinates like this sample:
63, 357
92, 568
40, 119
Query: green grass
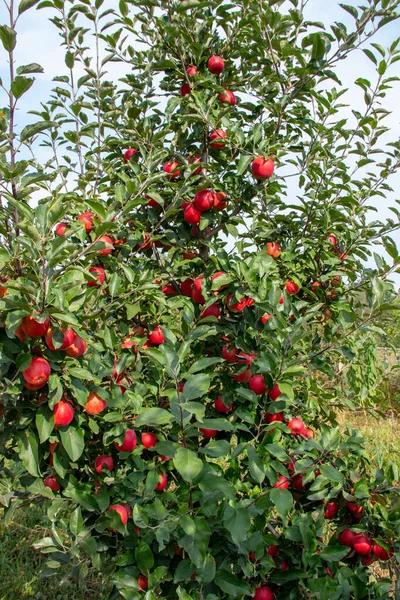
20, 564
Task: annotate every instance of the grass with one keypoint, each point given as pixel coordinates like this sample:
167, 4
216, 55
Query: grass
20, 564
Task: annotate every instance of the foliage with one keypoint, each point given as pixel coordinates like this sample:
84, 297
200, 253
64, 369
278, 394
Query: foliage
196, 536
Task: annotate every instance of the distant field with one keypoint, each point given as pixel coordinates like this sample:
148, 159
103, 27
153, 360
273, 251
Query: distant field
20, 565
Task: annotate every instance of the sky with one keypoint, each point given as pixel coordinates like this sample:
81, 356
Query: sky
38, 41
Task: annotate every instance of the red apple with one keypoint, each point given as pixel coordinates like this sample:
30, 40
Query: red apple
191, 71
143, 582
162, 482
122, 510
38, 373
197, 295
68, 334
156, 337
99, 274
331, 510
187, 287
243, 376
149, 440
230, 355
220, 201
104, 461
380, 552
211, 311
228, 96
272, 551
87, 220
264, 593
216, 65
195, 159
362, 544
217, 134
187, 255
292, 287
296, 426
94, 404
169, 290
284, 565
129, 442
221, 407
274, 392
257, 385
146, 244
105, 239
298, 482
333, 239
129, 153
309, 433
63, 413
33, 328
204, 200
282, 483
346, 538
208, 433
192, 215
171, 169
272, 418
244, 358
236, 306
215, 277
266, 317
273, 249
355, 509
60, 228
185, 90
52, 483
262, 168
77, 348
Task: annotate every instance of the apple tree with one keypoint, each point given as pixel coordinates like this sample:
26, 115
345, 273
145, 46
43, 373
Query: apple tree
185, 227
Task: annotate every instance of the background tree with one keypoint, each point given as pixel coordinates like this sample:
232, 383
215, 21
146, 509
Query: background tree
161, 383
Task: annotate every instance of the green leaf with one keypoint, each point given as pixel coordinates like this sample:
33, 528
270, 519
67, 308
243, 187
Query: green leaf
29, 451
187, 463
231, 585
44, 422
76, 521
332, 474
334, 553
30, 130
73, 440
144, 557
25, 5
216, 448
237, 521
20, 85
153, 416
243, 165
255, 465
31, 68
196, 386
204, 363
283, 501
8, 37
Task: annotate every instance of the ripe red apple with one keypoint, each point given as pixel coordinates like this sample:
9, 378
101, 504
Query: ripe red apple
171, 169
87, 220
309, 433
52, 483
221, 407
129, 442
262, 168
273, 249
122, 510
281, 299
63, 413
33, 328
187, 255
38, 373
355, 509
105, 239
143, 582
162, 482
68, 334
94, 404
187, 287
204, 200
282, 483
380, 552
77, 348
331, 510
195, 159
208, 433
362, 544
264, 593
211, 311
284, 565
169, 290
298, 482
146, 244
244, 358
230, 355
236, 306
185, 90
266, 317
191, 71
292, 287
60, 228
346, 538
296, 426
220, 201
228, 96
243, 376
274, 392
333, 239
272, 418
149, 440
216, 65
197, 295
129, 153
217, 134
272, 551
192, 215
99, 274
257, 385
104, 461
156, 337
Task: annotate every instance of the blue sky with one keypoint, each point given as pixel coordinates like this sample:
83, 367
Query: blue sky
38, 41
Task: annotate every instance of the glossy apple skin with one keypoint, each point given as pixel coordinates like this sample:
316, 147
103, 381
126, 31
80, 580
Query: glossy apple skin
296, 426
262, 168
192, 215
221, 407
104, 461
156, 337
77, 348
52, 483
204, 200
33, 328
68, 334
274, 392
211, 311
149, 440
100, 275
129, 153
63, 413
216, 65
121, 510
129, 442
94, 404
208, 433
257, 385
292, 288
264, 593
162, 483
217, 134
38, 373
282, 483
228, 97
